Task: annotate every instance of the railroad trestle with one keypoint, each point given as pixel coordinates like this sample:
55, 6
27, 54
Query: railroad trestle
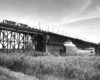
20, 41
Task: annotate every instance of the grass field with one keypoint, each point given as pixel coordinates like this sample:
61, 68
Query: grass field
53, 68
6, 74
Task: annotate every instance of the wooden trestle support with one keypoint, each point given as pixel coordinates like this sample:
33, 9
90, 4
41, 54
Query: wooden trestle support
11, 41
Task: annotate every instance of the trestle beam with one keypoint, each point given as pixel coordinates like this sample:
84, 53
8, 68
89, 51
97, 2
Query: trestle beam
11, 41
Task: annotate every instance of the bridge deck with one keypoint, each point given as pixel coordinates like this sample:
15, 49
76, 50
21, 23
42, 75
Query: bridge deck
38, 38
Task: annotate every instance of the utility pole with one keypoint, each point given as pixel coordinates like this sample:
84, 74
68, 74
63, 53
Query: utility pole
66, 33
39, 26
48, 28
53, 29
58, 31
62, 32
35, 27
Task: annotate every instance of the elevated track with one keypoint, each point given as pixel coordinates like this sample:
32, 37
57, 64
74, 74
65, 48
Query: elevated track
14, 38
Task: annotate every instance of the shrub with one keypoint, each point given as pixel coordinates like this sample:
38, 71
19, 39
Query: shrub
79, 68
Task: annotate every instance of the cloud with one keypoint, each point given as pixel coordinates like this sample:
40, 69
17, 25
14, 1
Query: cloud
90, 10
93, 10
46, 11
77, 16
71, 16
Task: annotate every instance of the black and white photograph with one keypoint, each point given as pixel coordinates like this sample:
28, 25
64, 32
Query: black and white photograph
49, 39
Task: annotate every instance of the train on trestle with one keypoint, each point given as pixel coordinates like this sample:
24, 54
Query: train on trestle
8, 22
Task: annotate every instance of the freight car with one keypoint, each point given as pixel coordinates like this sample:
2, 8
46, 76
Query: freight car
9, 22
12, 23
22, 25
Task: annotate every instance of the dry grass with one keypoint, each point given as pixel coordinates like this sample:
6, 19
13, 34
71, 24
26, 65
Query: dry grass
6, 74
50, 67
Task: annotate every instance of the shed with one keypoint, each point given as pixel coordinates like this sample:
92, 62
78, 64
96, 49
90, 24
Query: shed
71, 48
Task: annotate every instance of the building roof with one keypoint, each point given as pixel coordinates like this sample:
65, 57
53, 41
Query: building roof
69, 43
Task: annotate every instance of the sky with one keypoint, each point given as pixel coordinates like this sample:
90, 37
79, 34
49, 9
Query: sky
75, 18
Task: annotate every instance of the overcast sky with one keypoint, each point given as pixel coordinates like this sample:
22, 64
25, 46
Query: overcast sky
79, 17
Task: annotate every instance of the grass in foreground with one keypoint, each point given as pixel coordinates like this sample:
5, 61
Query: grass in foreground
50, 67
6, 74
